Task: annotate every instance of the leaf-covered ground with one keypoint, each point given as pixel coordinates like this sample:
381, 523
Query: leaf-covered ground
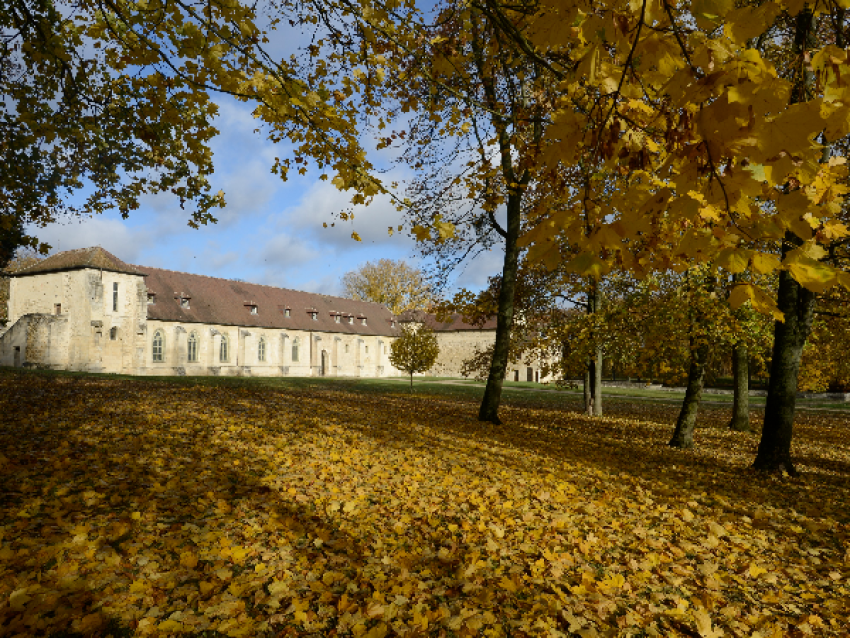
142, 508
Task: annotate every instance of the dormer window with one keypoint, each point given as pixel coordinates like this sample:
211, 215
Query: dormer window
351, 319
314, 314
253, 308
151, 298
287, 312
362, 321
337, 318
392, 323
184, 303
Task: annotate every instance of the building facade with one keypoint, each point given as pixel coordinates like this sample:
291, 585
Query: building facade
87, 310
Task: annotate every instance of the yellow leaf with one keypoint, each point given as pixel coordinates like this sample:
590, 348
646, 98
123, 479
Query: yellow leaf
763, 264
189, 559
508, 584
355, 237
811, 274
756, 571
206, 587
703, 622
759, 300
422, 233
170, 625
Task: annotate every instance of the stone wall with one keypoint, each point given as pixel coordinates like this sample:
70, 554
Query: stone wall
318, 353
461, 345
38, 341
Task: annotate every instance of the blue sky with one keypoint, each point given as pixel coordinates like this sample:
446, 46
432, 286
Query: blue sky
270, 232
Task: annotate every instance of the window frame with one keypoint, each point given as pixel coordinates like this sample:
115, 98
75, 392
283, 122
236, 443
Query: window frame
261, 349
158, 347
114, 296
224, 349
192, 347
296, 343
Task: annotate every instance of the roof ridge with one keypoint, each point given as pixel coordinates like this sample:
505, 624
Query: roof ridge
303, 292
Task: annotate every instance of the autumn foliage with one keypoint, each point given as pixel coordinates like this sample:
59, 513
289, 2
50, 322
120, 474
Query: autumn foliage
163, 509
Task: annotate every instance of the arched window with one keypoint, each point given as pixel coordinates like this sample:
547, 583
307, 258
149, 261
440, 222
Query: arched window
223, 351
192, 354
295, 345
261, 349
158, 346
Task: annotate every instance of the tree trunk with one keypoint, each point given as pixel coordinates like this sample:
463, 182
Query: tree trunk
411, 382
588, 391
798, 306
741, 401
683, 435
596, 382
489, 410
594, 373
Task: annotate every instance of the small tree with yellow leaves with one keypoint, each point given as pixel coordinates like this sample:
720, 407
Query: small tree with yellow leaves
414, 351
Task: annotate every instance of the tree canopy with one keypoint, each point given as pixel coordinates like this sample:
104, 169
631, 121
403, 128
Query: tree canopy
393, 283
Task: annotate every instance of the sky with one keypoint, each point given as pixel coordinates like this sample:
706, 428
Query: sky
271, 232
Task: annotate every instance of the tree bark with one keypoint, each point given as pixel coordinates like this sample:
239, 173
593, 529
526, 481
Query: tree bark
489, 410
798, 306
593, 399
741, 380
683, 435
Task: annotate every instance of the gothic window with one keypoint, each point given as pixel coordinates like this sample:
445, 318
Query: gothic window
367, 349
223, 352
192, 353
346, 348
115, 297
261, 349
113, 333
158, 346
295, 345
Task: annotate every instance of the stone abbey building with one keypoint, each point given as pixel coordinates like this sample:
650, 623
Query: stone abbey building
87, 310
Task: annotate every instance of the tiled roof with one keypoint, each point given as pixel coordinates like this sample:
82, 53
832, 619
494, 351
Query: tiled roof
455, 322
95, 257
228, 302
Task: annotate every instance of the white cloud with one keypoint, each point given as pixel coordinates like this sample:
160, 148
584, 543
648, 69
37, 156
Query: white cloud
285, 251
321, 201
114, 235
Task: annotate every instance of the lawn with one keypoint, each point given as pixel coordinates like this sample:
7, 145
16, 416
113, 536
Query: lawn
307, 507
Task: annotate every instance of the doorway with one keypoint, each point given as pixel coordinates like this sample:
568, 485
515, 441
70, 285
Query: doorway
17, 357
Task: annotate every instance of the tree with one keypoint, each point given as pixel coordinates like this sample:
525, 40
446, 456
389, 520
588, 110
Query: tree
116, 98
393, 283
703, 106
475, 126
415, 350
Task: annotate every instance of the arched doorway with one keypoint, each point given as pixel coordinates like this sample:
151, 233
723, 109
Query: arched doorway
324, 371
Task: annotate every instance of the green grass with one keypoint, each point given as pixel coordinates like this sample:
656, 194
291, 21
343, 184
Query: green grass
518, 393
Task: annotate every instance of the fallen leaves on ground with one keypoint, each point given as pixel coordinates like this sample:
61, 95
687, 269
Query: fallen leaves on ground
171, 509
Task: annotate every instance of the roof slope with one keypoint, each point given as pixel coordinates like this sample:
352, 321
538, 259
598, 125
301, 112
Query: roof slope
226, 302
455, 321
95, 257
